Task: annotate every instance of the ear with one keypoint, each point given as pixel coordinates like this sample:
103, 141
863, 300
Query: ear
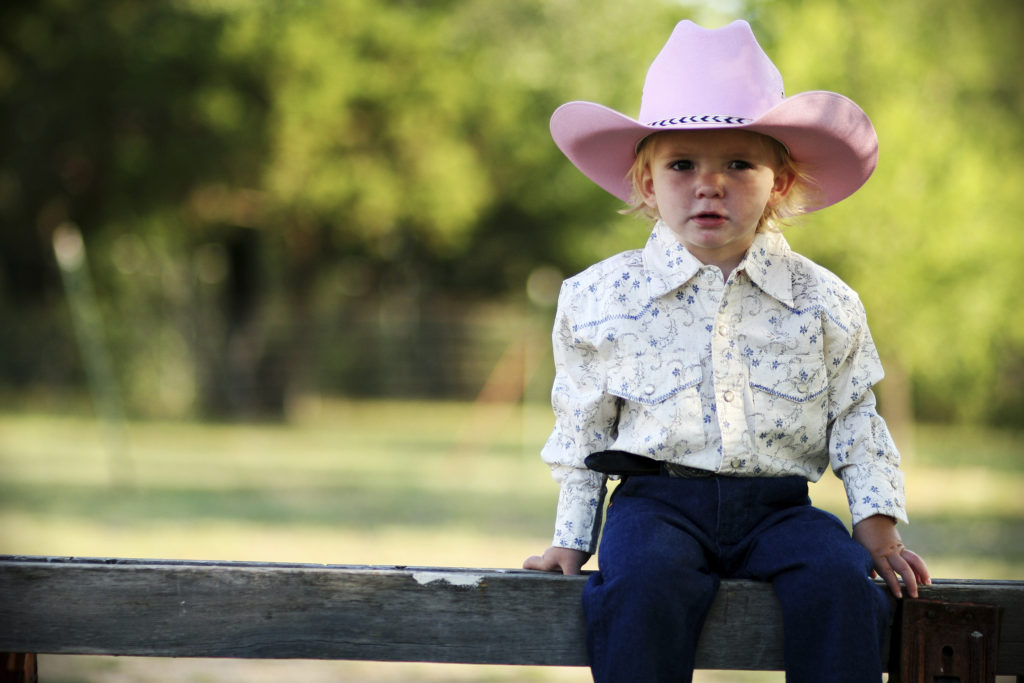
646, 188
784, 181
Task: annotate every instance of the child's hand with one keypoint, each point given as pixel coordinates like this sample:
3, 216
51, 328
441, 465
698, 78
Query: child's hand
555, 559
879, 536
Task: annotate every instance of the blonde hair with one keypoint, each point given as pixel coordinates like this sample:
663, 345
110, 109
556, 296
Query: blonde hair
793, 203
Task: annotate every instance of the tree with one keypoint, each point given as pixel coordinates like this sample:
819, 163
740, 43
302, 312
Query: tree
246, 175
118, 117
929, 241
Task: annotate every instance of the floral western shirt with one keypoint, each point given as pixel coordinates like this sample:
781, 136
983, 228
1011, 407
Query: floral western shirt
766, 375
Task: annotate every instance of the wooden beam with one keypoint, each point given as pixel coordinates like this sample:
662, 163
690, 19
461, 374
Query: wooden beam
283, 611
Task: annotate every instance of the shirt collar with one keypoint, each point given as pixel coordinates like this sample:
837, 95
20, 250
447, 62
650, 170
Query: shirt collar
670, 265
767, 266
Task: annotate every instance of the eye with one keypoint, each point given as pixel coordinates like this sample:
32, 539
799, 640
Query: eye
740, 165
681, 165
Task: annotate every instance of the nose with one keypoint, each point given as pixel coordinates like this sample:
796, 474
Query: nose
709, 184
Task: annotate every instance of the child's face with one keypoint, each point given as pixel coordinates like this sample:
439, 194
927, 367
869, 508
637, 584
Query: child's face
711, 187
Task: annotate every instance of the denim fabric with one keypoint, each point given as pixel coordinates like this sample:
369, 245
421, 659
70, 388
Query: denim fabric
668, 541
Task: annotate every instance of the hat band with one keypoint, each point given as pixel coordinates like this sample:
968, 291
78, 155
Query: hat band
680, 120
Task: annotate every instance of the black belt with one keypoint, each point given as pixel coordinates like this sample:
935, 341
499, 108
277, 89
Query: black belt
625, 464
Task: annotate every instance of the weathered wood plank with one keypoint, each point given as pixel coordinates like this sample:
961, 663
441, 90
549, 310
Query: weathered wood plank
255, 610
280, 611
203, 609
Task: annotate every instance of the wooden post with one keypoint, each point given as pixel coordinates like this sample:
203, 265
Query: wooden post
948, 641
18, 668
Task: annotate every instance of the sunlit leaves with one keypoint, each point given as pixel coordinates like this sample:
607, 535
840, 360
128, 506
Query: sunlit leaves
933, 241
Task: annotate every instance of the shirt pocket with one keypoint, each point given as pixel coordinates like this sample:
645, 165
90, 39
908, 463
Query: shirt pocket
789, 395
661, 394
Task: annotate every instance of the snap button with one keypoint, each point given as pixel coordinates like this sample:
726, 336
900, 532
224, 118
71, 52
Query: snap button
802, 388
727, 396
736, 463
649, 389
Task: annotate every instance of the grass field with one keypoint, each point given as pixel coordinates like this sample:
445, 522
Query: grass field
387, 483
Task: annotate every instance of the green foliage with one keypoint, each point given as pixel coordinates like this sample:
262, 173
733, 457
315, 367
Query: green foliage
932, 241
245, 174
422, 126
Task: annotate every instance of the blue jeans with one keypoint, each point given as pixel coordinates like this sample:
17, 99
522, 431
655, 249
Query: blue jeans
666, 544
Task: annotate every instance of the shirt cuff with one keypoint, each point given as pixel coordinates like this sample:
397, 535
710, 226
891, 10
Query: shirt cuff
578, 520
874, 491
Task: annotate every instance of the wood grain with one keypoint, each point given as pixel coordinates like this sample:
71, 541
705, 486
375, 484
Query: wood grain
432, 614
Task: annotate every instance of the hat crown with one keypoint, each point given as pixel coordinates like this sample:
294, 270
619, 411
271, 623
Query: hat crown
721, 79
710, 72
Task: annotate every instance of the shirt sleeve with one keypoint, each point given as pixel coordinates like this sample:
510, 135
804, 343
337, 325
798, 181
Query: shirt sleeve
861, 448
585, 422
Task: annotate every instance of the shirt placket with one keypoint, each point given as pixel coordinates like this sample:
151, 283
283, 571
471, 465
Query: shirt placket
730, 377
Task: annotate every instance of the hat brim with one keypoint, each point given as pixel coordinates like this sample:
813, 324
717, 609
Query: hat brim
825, 132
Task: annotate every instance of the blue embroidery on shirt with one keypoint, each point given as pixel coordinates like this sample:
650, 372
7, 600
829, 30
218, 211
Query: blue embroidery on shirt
791, 397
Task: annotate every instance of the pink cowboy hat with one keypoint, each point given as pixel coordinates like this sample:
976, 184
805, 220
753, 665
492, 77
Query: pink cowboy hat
721, 78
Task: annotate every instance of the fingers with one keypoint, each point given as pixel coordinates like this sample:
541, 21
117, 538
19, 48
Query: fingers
906, 564
537, 562
888, 575
557, 559
900, 566
569, 569
919, 570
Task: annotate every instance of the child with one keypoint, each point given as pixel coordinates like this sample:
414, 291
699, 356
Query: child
716, 372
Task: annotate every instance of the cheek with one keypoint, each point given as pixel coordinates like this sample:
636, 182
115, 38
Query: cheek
662, 192
765, 195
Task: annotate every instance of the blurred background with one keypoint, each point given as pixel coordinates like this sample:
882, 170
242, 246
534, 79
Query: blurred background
277, 279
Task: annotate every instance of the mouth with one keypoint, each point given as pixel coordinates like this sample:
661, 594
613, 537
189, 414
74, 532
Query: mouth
708, 219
